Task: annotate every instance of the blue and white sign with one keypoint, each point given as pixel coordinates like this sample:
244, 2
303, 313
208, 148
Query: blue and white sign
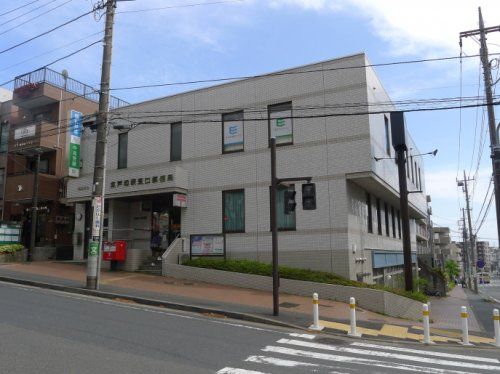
75, 130
233, 136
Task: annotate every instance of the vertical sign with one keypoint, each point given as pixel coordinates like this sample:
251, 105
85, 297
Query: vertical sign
96, 221
74, 143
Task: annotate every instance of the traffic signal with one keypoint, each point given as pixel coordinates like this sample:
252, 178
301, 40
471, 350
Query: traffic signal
309, 196
290, 203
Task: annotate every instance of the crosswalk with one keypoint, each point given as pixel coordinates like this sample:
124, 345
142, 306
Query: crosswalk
305, 353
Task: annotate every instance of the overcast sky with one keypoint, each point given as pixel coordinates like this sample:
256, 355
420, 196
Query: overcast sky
248, 37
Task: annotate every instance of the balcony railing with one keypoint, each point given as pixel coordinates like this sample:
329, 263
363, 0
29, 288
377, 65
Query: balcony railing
30, 81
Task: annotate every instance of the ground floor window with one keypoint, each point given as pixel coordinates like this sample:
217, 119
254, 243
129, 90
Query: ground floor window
233, 210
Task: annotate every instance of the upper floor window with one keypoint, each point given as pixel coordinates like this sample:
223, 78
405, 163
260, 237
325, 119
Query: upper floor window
387, 227
176, 141
387, 136
369, 215
4, 136
379, 217
122, 150
280, 123
232, 132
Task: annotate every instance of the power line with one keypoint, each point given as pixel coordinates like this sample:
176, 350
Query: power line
50, 30
293, 72
33, 18
19, 7
28, 12
179, 6
50, 51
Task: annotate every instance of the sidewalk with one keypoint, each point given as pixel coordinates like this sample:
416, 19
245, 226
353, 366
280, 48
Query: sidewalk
294, 310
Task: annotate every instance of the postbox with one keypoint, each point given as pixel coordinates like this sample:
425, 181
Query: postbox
114, 251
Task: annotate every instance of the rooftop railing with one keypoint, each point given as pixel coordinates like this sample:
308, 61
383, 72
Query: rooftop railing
46, 75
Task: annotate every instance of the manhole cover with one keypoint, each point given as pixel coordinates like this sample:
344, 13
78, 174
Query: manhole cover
288, 305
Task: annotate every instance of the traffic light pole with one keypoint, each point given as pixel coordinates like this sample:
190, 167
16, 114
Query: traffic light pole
275, 181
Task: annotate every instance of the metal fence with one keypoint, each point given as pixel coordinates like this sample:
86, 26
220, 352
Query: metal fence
46, 75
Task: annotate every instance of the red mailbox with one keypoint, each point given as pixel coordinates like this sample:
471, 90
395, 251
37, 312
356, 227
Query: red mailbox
114, 251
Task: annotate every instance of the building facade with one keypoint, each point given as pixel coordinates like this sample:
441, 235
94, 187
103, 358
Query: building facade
210, 148
44, 119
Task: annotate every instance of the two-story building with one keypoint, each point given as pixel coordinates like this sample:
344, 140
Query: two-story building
197, 164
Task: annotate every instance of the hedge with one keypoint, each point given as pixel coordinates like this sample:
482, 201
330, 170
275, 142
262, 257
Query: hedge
10, 248
259, 268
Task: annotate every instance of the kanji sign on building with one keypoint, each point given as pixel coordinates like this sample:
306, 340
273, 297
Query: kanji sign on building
74, 143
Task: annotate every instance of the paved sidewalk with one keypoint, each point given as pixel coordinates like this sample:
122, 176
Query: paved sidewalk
445, 311
294, 310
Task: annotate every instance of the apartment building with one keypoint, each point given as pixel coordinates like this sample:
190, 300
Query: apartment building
44, 118
197, 164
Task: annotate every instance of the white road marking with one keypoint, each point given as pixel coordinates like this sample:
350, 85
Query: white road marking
290, 363
303, 336
427, 353
388, 355
360, 361
229, 370
279, 362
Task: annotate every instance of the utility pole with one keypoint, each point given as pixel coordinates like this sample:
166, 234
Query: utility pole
34, 208
471, 235
95, 246
495, 149
465, 252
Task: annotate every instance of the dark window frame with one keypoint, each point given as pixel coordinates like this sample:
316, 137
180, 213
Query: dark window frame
224, 230
393, 222
399, 224
223, 122
387, 136
387, 228
379, 216
369, 213
122, 164
279, 108
173, 157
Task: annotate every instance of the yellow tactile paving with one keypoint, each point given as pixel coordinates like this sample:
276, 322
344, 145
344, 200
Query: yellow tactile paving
346, 328
402, 333
394, 331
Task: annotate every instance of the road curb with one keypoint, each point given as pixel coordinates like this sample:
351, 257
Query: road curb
152, 302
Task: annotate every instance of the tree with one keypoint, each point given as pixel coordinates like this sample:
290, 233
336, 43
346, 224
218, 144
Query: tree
452, 269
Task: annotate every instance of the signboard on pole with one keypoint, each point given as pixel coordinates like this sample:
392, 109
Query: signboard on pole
76, 119
96, 219
207, 245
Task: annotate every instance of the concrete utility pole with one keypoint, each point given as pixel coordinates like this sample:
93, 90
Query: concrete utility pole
34, 208
495, 149
95, 246
471, 235
465, 252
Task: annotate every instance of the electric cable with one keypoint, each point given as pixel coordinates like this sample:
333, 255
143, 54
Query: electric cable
19, 7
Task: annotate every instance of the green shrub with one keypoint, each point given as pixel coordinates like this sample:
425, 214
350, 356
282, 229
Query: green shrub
259, 268
10, 248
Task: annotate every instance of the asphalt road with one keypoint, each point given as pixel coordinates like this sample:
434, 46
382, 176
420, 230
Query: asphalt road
43, 331
483, 307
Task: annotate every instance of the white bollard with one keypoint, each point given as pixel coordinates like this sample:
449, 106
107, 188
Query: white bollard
425, 320
465, 327
315, 326
496, 324
352, 307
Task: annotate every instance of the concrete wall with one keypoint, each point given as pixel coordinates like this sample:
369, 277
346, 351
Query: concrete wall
374, 300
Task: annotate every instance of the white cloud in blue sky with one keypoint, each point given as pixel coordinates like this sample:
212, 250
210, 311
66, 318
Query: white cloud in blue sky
257, 36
